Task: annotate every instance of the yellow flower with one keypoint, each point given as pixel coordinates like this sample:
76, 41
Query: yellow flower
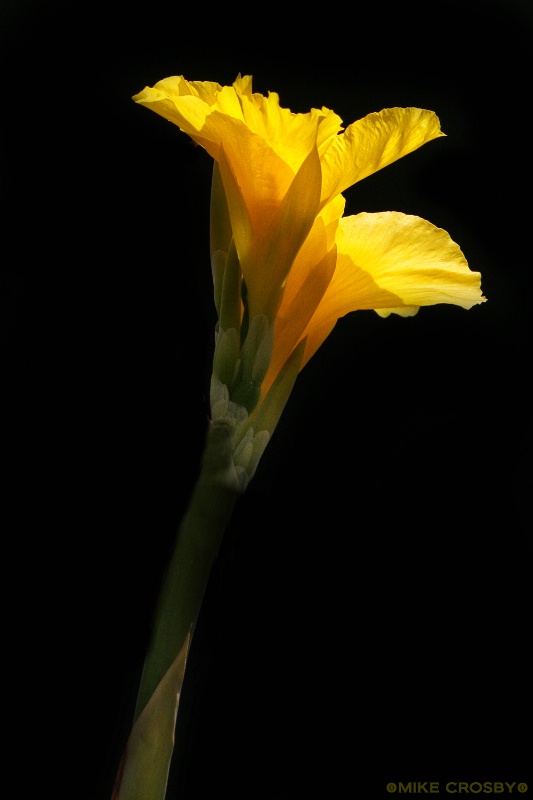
286, 263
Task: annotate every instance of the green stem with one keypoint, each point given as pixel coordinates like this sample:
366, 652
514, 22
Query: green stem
197, 545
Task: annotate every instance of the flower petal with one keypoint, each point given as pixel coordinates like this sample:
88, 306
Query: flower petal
371, 143
276, 251
265, 144
185, 103
291, 136
394, 262
320, 240
293, 317
241, 223
266, 253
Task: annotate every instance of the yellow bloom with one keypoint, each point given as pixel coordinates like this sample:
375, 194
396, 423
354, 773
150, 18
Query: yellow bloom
286, 263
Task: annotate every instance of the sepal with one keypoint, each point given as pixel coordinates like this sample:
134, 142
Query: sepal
255, 357
267, 414
222, 408
226, 360
247, 455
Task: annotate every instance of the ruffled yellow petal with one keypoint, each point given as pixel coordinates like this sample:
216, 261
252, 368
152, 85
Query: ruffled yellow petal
188, 104
410, 257
372, 143
265, 143
185, 103
392, 261
291, 136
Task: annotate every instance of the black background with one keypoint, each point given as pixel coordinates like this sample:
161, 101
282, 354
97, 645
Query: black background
368, 617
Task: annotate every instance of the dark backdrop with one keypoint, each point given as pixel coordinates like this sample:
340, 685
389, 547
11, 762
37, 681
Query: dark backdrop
367, 620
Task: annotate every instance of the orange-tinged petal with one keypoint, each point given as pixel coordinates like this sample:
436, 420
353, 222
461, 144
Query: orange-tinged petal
320, 241
307, 281
371, 143
267, 264
241, 223
262, 176
294, 315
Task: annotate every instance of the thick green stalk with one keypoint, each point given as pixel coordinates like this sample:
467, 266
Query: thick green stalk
197, 545
143, 772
